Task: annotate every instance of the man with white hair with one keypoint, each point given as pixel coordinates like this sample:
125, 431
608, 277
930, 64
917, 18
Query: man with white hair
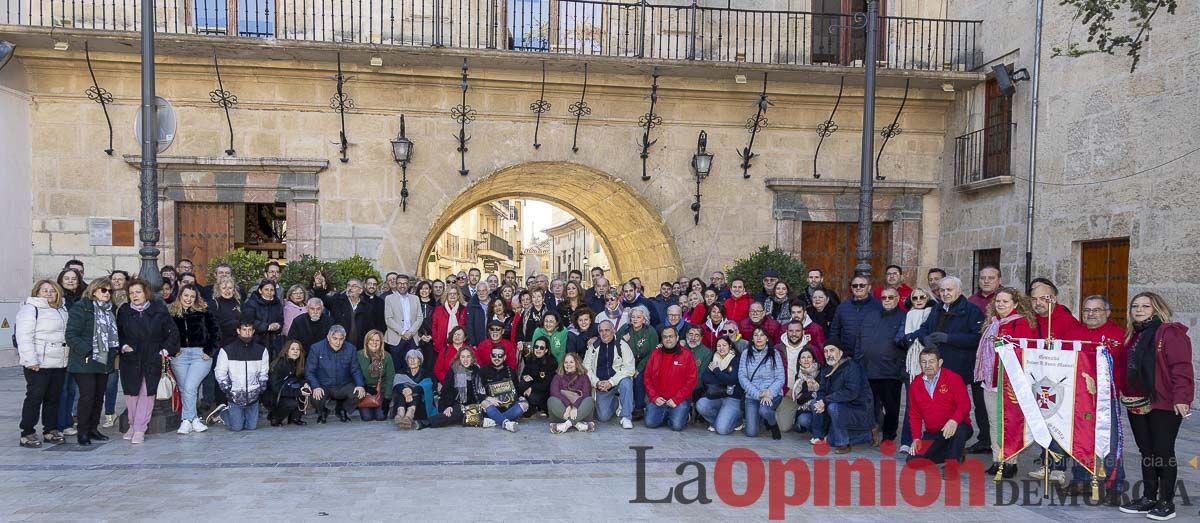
312, 327
611, 367
953, 327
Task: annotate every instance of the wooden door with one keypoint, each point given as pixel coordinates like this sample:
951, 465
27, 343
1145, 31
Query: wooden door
829, 246
997, 131
1105, 271
833, 38
203, 231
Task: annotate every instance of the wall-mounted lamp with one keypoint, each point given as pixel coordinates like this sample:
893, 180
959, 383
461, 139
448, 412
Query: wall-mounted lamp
402, 149
701, 166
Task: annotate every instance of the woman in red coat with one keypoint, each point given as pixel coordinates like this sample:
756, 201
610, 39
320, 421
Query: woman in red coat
1158, 394
447, 355
1009, 315
447, 316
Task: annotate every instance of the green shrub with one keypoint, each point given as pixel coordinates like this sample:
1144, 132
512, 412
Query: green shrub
299, 272
353, 267
247, 266
751, 268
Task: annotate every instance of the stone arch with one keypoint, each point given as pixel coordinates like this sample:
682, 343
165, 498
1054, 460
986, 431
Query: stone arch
633, 233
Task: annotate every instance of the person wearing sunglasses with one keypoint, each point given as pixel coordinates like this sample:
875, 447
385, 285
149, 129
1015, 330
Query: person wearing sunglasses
921, 305
497, 341
93, 351
501, 404
848, 318
882, 358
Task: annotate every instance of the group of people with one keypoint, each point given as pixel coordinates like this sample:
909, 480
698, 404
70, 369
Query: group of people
495, 352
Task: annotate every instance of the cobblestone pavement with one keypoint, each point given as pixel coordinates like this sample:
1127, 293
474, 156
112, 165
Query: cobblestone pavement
371, 471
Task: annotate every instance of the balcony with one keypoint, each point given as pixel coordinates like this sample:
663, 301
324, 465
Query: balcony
456, 248
585, 28
983, 158
493, 246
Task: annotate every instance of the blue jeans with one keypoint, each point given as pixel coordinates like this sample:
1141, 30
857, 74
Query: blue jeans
66, 403
756, 413
905, 431
375, 414
513, 412
813, 422
190, 369
639, 392
723, 414
238, 418
839, 435
656, 415
606, 401
110, 393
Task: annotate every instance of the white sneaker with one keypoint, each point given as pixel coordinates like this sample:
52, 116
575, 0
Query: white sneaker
626, 423
109, 420
814, 441
739, 427
70, 431
198, 426
510, 426
185, 427
488, 423
711, 429
1058, 476
1038, 474
905, 449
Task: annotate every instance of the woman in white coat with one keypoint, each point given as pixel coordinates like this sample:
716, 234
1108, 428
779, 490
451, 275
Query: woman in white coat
40, 338
922, 301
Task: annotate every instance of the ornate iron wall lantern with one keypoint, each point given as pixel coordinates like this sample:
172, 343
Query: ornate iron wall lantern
701, 166
402, 149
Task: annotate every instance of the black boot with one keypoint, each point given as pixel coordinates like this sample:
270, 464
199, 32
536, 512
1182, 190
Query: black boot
775, 432
83, 439
1010, 470
97, 435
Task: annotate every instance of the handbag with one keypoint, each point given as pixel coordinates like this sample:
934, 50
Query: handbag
472, 415
372, 401
715, 392
1139, 405
166, 384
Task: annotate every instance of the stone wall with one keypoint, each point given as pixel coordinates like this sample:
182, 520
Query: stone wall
1098, 122
283, 114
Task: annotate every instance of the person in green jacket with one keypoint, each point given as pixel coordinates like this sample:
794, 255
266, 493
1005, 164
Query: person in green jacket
554, 330
694, 341
642, 339
378, 374
92, 339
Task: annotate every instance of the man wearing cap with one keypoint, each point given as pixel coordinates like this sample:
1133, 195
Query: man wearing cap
769, 279
496, 341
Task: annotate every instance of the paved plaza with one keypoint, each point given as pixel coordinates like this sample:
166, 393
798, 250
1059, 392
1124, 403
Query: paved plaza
371, 472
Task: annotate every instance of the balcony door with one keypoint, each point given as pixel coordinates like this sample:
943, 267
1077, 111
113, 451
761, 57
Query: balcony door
997, 131
250, 18
834, 41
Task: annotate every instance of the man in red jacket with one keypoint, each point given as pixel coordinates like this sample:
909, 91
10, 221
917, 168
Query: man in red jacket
737, 305
670, 377
893, 278
1052, 317
483, 351
1096, 331
758, 318
938, 411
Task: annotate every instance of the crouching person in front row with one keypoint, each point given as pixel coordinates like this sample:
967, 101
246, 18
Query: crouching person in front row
939, 411
242, 372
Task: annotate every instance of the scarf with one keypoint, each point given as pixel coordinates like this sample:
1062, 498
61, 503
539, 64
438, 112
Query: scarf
985, 352
807, 374
452, 322
140, 308
1141, 358
375, 370
670, 350
723, 361
104, 331
461, 377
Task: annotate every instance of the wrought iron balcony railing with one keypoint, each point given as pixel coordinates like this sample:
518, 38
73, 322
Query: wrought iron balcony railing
983, 154
619, 28
497, 245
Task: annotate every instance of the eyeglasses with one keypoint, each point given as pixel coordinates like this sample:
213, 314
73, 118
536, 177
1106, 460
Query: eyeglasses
497, 356
105, 290
891, 297
858, 286
729, 332
920, 297
496, 329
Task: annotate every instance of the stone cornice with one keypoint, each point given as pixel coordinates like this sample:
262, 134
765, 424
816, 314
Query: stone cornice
235, 164
834, 186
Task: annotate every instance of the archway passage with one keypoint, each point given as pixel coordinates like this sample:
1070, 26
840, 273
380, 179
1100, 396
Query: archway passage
639, 243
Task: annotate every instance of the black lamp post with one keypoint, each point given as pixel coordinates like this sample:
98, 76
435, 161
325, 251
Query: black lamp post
148, 186
701, 166
402, 149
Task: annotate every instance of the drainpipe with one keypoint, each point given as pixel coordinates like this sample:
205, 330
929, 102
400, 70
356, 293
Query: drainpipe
1033, 129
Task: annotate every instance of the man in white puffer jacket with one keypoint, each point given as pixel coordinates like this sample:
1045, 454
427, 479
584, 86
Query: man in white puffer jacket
41, 328
242, 372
